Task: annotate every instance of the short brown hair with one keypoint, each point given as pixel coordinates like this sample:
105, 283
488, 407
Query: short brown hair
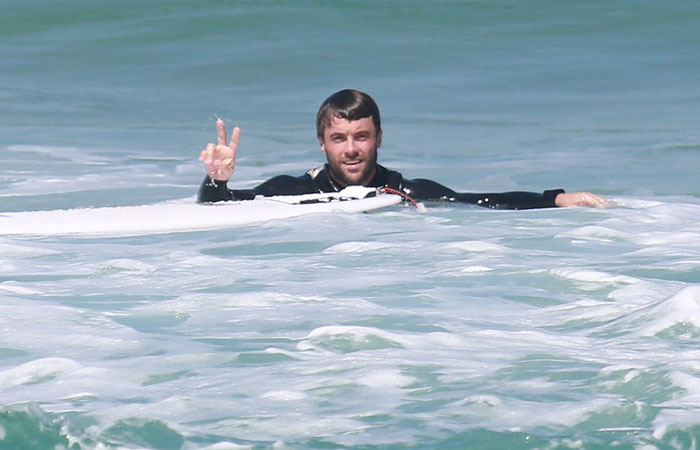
348, 104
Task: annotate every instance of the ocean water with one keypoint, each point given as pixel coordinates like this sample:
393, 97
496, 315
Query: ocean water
457, 328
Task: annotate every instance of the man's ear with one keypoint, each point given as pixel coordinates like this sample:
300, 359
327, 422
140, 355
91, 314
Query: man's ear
379, 137
323, 146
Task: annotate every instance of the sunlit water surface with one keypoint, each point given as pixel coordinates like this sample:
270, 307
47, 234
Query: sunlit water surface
457, 328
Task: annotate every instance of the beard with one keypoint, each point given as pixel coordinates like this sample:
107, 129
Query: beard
353, 174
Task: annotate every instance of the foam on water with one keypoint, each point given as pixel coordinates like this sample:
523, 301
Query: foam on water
458, 328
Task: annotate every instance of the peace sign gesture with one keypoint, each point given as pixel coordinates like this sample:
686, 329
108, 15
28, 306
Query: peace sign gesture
220, 159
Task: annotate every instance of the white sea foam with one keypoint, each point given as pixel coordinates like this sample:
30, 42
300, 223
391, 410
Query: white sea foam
682, 308
668, 238
13, 288
595, 232
8, 250
284, 396
476, 246
357, 247
228, 446
550, 328
592, 276
37, 371
71, 331
516, 415
383, 379
678, 413
474, 269
129, 264
357, 335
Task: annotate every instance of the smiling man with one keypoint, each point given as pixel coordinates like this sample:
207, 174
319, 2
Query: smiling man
351, 150
349, 130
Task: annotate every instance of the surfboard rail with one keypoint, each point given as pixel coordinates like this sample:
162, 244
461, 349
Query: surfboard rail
186, 215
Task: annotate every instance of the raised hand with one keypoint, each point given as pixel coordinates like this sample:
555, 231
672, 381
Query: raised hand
580, 199
220, 159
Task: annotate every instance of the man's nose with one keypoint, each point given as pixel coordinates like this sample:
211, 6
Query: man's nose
351, 146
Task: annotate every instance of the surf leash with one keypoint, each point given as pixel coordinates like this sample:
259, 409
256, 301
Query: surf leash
420, 207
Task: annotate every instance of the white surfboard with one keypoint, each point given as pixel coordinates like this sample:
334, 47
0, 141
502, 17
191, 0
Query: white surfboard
182, 216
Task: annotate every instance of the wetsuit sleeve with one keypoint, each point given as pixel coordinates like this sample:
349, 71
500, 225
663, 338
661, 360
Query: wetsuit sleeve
511, 200
421, 189
215, 191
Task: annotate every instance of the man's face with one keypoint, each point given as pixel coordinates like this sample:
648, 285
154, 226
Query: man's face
351, 149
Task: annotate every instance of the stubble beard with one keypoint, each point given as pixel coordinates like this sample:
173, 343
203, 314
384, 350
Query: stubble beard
345, 178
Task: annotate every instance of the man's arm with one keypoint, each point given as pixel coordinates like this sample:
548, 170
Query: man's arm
219, 161
422, 189
512, 200
216, 191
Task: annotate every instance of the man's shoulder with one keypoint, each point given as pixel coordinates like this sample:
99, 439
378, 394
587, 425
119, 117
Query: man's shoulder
286, 185
388, 177
320, 178
315, 172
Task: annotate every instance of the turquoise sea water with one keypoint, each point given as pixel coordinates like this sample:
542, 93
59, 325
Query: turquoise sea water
459, 328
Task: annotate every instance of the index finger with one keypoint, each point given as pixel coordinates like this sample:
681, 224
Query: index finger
221, 131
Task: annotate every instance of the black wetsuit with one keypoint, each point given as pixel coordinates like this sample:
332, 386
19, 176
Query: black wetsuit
319, 180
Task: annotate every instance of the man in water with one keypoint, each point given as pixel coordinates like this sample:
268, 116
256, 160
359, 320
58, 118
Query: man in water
350, 133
